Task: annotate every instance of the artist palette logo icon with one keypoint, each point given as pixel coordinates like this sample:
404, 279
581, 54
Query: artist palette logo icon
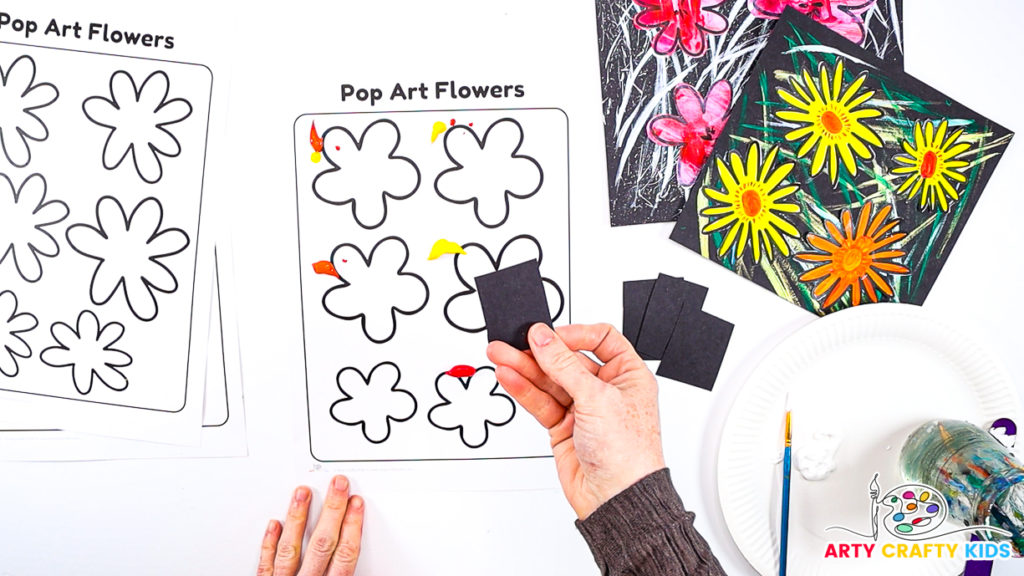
914, 510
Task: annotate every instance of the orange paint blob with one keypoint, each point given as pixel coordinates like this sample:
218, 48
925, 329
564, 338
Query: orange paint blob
326, 268
831, 122
751, 203
929, 164
461, 371
315, 140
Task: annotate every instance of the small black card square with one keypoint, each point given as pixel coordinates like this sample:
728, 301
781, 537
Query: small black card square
513, 299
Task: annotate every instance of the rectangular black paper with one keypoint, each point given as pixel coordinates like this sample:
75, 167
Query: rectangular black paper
696, 349
513, 300
669, 296
635, 295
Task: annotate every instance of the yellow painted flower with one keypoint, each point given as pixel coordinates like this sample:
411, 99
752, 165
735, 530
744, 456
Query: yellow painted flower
852, 258
931, 162
750, 203
832, 120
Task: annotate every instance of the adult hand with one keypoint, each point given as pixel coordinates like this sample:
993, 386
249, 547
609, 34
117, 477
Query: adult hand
334, 546
602, 418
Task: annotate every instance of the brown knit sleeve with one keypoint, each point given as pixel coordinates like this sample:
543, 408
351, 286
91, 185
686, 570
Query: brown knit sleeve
645, 531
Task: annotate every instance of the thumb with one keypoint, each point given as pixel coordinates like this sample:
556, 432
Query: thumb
560, 363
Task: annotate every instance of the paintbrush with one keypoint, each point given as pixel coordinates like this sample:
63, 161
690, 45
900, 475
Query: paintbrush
787, 468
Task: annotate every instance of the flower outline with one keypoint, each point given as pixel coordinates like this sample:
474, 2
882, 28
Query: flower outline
12, 326
44, 99
366, 428
84, 373
14, 218
332, 295
113, 222
467, 280
154, 135
460, 391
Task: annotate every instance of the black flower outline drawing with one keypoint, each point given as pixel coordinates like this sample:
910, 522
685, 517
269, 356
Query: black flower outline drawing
463, 311
12, 324
374, 302
138, 117
365, 401
470, 407
129, 250
88, 350
23, 216
332, 185
510, 172
19, 124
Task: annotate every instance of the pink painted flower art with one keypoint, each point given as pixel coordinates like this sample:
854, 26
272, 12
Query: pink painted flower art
843, 16
681, 24
695, 128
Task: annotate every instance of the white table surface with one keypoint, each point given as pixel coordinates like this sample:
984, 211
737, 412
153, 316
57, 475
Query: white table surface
207, 516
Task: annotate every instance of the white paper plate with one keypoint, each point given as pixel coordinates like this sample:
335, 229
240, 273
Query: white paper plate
873, 374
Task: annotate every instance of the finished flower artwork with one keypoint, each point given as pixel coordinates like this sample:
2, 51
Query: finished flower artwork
857, 179
672, 69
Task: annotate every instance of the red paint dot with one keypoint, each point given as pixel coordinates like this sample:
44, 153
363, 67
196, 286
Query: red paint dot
470, 123
337, 147
461, 371
343, 261
452, 122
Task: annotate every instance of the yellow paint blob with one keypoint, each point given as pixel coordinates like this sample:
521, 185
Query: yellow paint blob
439, 128
315, 157
442, 247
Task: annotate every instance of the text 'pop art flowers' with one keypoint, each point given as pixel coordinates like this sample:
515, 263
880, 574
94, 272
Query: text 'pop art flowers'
683, 24
12, 325
374, 289
129, 251
20, 99
696, 127
24, 216
463, 310
843, 16
470, 404
139, 119
373, 401
365, 172
488, 172
88, 349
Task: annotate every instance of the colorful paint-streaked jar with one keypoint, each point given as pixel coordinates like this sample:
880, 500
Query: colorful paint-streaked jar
982, 482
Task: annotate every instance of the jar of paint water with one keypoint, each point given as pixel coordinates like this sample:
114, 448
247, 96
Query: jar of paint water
982, 482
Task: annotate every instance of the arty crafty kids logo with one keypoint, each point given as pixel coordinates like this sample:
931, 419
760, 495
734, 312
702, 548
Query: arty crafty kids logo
914, 514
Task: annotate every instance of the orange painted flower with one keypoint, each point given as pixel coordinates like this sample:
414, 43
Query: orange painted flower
855, 260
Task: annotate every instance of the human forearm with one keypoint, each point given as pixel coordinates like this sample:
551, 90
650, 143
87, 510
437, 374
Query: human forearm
646, 531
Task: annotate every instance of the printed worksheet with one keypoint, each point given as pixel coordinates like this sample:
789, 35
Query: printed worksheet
101, 182
399, 213
223, 423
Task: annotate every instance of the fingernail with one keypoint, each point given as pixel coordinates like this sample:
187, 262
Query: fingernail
301, 495
541, 335
271, 526
340, 483
357, 503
